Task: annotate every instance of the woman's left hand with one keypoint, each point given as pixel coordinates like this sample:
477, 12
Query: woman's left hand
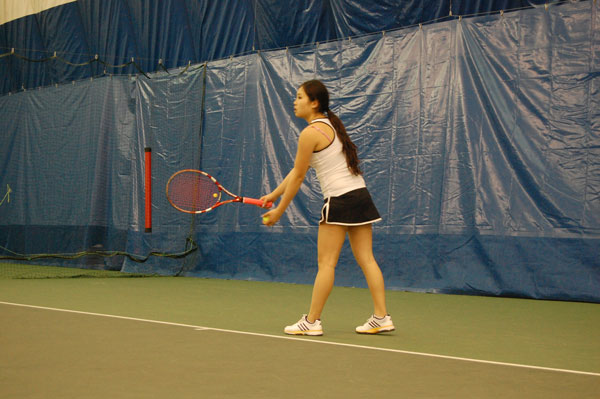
271, 217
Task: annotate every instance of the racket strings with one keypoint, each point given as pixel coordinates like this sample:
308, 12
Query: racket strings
193, 192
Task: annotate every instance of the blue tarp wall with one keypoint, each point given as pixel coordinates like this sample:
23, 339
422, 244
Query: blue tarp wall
480, 142
160, 34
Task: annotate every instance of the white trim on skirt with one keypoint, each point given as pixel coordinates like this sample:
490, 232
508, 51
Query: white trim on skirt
326, 208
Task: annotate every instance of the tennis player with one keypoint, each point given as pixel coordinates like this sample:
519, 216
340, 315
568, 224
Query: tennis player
348, 207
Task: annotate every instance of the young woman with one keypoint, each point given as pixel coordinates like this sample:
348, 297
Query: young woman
348, 209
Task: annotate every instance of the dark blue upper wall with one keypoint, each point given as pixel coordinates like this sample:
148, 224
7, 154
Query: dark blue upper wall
178, 32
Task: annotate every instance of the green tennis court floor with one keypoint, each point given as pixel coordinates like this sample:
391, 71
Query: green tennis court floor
188, 337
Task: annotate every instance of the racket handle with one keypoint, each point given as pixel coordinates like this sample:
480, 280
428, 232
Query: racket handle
257, 202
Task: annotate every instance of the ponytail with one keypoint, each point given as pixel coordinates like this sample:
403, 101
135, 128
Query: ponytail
348, 147
315, 90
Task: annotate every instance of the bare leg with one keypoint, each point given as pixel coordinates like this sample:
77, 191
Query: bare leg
361, 240
329, 244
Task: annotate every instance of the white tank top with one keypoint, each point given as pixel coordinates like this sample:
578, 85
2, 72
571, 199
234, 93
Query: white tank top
332, 169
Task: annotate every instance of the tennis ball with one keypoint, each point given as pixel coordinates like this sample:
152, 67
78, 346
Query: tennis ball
215, 195
265, 219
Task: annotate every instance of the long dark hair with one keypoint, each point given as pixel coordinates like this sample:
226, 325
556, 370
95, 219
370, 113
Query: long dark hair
315, 90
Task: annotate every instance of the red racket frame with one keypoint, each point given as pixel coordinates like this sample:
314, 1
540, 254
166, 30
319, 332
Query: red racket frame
236, 198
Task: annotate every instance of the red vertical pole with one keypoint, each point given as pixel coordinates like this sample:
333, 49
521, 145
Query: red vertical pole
148, 188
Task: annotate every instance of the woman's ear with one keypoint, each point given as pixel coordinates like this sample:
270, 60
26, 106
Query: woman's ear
315, 105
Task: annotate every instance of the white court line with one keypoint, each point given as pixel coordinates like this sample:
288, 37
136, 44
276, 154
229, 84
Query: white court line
298, 339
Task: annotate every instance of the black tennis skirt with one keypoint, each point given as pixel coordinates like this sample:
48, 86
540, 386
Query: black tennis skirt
353, 208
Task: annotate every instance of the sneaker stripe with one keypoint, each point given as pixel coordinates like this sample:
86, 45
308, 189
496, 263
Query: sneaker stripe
304, 327
375, 325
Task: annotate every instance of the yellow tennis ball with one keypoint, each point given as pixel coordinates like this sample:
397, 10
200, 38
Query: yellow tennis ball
265, 219
215, 195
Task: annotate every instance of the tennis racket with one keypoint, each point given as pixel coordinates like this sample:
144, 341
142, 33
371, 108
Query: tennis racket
195, 191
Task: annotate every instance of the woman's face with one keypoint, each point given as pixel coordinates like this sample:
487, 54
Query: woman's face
303, 106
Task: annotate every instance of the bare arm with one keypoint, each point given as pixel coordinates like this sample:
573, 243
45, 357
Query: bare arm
280, 189
292, 182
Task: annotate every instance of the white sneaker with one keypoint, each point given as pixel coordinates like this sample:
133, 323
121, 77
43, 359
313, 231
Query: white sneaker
304, 327
375, 325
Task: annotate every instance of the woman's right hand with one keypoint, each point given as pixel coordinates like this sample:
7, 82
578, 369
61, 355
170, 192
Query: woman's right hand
268, 198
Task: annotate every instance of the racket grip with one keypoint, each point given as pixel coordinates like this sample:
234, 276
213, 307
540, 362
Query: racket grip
257, 202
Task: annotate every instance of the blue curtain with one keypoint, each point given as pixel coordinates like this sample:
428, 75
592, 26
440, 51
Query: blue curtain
478, 137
